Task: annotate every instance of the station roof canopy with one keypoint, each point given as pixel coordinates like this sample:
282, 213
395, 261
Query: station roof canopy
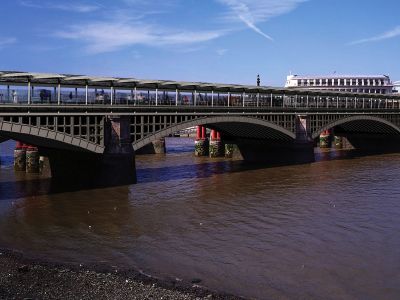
80, 81
208, 85
30, 75
128, 80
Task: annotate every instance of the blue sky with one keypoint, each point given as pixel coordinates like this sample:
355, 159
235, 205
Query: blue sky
229, 41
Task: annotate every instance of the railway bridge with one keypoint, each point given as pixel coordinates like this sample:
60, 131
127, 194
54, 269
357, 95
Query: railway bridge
90, 127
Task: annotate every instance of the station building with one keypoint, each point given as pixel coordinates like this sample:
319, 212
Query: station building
372, 84
396, 87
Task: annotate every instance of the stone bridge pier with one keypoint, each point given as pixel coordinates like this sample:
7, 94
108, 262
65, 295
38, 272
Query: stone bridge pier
278, 152
116, 166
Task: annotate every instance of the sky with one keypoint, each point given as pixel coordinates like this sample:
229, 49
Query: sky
223, 41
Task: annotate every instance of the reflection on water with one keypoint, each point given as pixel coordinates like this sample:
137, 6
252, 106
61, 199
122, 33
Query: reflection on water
322, 230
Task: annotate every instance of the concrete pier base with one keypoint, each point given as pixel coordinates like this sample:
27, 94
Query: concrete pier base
159, 146
44, 166
201, 147
20, 159
338, 142
275, 153
346, 144
114, 167
32, 160
229, 149
91, 170
156, 147
325, 140
216, 148
232, 151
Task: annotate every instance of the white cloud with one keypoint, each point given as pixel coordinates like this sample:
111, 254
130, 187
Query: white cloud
127, 23
72, 7
221, 52
81, 8
188, 49
136, 55
101, 37
7, 41
158, 3
252, 12
384, 36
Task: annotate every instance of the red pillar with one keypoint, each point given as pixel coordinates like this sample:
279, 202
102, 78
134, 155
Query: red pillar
218, 136
204, 133
214, 135
19, 145
199, 132
327, 132
31, 148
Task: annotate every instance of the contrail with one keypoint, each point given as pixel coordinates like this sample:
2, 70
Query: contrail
386, 35
255, 28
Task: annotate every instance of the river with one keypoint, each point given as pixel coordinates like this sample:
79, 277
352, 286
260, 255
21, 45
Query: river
327, 230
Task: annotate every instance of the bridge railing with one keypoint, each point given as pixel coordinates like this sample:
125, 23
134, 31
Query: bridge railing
42, 95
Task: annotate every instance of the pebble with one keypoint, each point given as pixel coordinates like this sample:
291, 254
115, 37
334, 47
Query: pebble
36, 281
23, 269
196, 280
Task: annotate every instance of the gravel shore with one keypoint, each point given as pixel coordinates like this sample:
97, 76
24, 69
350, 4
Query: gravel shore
21, 278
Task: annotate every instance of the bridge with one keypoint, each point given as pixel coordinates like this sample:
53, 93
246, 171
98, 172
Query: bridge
91, 127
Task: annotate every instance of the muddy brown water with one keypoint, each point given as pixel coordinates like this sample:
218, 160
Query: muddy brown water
327, 230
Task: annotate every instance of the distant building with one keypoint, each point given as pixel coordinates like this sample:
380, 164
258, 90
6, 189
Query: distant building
379, 84
396, 87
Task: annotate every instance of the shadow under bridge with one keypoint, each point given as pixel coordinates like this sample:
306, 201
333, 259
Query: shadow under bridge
378, 134
258, 140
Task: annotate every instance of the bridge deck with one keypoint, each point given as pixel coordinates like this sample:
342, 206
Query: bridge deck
34, 89
73, 109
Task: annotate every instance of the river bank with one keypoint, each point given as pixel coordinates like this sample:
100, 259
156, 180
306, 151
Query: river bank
23, 278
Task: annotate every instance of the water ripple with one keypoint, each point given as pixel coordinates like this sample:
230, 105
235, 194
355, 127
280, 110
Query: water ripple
327, 230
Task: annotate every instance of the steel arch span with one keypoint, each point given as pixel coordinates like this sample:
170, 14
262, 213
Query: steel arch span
365, 124
46, 138
234, 127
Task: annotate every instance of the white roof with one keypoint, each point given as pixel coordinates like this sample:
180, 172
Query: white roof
338, 76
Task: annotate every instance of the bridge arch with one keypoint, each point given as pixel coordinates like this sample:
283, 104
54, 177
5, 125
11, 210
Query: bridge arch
44, 137
361, 124
232, 126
